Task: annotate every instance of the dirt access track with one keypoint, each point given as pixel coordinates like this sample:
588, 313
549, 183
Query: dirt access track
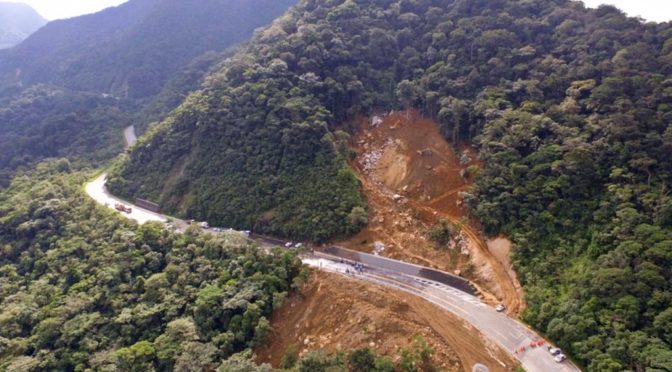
335, 313
413, 179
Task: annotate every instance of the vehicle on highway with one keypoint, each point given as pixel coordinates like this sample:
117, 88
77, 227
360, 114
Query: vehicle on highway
500, 308
554, 350
203, 225
189, 222
122, 208
560, 358
289, 244
217, 229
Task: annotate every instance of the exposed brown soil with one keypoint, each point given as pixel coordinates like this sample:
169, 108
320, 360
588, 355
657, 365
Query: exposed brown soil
413, 178
500, 247
335, 313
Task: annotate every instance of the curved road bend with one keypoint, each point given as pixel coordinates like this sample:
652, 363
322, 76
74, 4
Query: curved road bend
402, 267
510, 334
506, 332
96, 190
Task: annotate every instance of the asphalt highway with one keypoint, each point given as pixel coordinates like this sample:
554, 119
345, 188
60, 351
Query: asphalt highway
508, 333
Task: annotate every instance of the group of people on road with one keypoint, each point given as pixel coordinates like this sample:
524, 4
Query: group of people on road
358, 267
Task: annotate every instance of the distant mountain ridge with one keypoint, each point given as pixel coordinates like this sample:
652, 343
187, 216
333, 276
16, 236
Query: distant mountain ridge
131, 50
17, 22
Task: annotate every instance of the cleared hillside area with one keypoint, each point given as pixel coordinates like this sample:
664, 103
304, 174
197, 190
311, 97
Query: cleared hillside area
335, 313
413, 180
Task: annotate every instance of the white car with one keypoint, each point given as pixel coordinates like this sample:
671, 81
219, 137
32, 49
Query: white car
554, 350
560, 358
289, 244
500, 308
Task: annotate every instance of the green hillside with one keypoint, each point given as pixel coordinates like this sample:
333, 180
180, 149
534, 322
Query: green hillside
82, 288
68, 89
131, 50
570, 108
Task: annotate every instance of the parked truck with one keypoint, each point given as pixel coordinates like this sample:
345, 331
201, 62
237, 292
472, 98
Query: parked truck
122, 208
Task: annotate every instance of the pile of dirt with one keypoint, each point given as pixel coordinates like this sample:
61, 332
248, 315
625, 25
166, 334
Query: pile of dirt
413, 179
334, 313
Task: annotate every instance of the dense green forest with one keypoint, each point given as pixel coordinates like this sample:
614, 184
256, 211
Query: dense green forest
81, 287
45, 122
63, 94
130, 51
570, 107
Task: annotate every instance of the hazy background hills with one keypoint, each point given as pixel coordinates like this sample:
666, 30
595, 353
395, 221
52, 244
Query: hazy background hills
17, 22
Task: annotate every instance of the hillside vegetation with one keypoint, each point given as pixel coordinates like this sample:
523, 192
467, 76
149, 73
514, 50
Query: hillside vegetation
131, 50
69, 88
570, 108
84, 289
45, 122
17, 22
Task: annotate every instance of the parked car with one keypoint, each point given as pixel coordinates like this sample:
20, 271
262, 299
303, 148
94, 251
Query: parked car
500, 308
560, 358
554, 350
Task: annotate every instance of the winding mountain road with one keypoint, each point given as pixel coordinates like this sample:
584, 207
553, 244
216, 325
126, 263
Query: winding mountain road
446, 291
508, 333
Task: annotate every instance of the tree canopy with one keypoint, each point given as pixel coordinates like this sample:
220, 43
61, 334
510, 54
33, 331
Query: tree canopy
82, 288
570, 108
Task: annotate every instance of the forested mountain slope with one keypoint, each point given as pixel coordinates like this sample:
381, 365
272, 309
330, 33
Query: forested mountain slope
571, 109
17, 22
131, 50
84, 289
46, 121
68, 89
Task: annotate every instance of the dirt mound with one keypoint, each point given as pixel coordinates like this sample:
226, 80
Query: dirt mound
336, 313
413, 178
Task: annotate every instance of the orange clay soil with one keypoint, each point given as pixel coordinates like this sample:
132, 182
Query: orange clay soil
334, 313
413, 178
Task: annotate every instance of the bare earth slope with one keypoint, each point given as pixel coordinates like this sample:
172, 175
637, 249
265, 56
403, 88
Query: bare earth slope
336, 313
412, 179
